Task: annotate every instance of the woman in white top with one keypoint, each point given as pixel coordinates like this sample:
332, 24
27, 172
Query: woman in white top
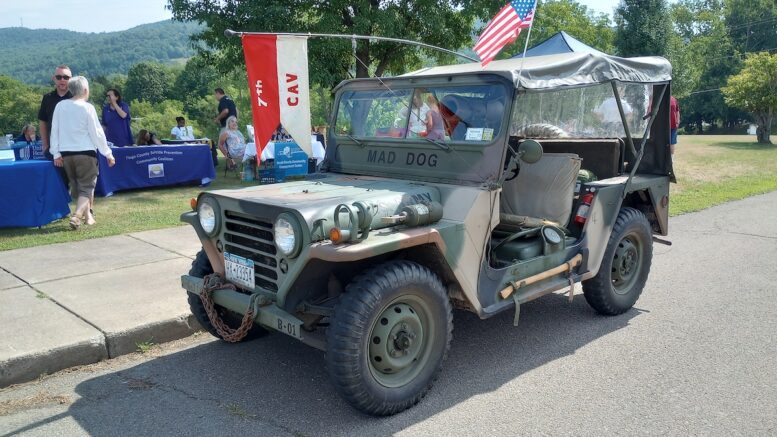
232, 143
417, 120
76, 135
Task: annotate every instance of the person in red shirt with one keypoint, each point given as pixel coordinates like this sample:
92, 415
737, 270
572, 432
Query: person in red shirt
674, 122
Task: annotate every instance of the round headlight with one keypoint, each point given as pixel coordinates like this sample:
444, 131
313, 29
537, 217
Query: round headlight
287, 237
207, 215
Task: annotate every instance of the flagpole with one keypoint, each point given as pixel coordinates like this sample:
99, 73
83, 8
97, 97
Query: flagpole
526, 46
230, 32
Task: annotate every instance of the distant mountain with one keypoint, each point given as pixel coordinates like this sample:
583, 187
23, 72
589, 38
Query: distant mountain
30, 55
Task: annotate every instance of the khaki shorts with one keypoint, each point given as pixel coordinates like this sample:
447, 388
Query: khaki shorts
82, 171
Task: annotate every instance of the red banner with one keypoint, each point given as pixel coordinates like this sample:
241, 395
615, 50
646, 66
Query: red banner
280, 90
262, 68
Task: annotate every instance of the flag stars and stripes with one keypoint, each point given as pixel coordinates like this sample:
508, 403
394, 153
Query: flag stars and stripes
504, 28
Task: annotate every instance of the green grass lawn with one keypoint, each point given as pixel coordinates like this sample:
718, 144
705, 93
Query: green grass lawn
710, 170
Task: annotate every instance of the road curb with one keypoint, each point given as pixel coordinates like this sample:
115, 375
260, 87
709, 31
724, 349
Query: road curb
126, 342
121, 294
28, 367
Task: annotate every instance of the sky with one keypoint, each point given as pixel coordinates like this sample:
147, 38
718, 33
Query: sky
82, 15
114, 15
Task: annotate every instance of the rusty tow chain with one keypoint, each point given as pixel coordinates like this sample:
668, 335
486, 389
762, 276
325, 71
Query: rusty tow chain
216, 281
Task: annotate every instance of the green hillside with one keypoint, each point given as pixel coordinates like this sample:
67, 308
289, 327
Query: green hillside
31, 55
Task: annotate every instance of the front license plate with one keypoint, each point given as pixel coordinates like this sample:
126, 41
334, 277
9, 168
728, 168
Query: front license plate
288, 327
240, 270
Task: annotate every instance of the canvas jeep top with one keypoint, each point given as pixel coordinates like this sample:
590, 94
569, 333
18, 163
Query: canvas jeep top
543, 172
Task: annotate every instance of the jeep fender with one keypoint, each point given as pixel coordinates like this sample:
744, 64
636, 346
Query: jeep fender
444, 236
609, 199
216, 260
379, 242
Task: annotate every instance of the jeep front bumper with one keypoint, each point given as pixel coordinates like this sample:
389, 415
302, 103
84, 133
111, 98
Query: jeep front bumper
267, 314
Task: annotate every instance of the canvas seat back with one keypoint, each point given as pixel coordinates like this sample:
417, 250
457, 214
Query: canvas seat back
543, 190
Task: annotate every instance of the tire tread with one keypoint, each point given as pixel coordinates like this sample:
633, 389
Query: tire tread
597, 289
344, 337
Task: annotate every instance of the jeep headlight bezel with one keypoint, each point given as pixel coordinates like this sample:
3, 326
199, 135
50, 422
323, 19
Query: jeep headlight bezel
209, 215
287, 235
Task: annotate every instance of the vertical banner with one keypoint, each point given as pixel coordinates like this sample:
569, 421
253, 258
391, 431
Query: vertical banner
262, 68
277, 67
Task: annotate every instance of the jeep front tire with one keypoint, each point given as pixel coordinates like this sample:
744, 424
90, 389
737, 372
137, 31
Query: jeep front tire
388, 337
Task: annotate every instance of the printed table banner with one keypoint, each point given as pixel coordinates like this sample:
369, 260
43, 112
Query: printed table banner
153, 166
278, 79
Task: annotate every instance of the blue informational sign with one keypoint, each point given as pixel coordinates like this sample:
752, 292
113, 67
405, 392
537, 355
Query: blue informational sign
25, 151
290, 160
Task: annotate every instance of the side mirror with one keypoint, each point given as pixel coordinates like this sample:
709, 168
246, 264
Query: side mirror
530, 151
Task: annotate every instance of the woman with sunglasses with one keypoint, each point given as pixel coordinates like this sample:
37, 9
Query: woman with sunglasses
116, 119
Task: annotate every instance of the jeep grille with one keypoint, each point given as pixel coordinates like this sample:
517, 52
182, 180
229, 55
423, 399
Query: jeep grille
252, 238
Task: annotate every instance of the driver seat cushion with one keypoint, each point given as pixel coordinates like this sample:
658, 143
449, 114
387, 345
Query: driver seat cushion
544, 189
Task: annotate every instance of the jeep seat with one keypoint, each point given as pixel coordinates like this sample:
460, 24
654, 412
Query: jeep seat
602, 156
543, 190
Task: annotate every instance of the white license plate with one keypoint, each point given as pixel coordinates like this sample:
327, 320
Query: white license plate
288, 327
240, 270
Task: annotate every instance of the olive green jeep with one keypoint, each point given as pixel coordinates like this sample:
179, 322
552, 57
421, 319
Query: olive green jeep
450, 187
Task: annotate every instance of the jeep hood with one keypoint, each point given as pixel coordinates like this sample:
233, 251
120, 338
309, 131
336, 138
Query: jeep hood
317, 198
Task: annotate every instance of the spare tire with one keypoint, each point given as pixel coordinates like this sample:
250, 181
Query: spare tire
540, 130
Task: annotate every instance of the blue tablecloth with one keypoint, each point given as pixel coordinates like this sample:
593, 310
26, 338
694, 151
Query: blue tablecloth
153, 166
31, 194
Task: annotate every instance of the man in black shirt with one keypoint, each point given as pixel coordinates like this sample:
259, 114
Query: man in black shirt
227, 107
61, 75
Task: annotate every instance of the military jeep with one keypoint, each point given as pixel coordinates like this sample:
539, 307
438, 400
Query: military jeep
547, 172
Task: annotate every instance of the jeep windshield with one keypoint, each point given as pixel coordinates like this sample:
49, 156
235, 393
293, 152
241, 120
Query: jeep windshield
421, 131
472, 114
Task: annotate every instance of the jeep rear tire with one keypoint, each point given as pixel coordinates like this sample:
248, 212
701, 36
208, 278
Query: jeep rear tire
388, 337
200, 268
625, 266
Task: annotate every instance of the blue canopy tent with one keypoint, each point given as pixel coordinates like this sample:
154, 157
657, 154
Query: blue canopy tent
561, 42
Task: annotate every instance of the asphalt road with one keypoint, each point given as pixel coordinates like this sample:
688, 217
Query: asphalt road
695, 356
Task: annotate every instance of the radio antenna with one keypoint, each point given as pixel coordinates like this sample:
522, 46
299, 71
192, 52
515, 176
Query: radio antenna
230, 32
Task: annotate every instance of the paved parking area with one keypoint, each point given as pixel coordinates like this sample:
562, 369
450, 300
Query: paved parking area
694, 357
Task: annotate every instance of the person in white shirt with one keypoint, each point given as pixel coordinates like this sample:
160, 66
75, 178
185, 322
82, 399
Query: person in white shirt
610, 116
180, 132
417, 121
76, 135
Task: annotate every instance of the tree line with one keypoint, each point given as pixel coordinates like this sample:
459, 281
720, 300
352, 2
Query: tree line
156, 93
28, 53
707, 41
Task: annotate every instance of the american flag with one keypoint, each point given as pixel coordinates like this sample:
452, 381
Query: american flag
504, 29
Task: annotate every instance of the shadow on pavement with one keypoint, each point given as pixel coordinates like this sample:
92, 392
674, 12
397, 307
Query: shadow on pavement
276, 385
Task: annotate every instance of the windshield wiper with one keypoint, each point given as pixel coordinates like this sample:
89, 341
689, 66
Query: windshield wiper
359, 143
443, 146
